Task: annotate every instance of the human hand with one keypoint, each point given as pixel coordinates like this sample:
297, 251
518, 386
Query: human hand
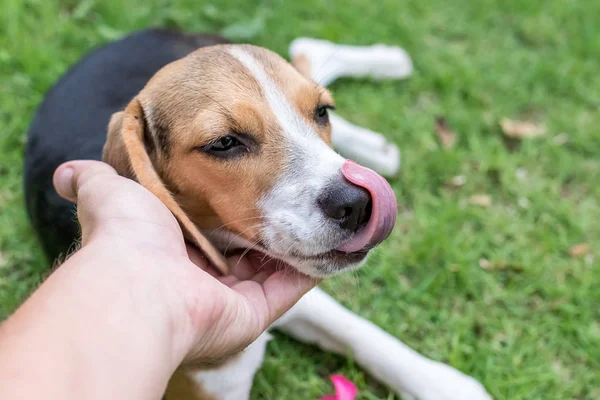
142, 266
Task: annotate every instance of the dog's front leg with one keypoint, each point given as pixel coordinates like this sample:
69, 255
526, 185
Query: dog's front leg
319, 319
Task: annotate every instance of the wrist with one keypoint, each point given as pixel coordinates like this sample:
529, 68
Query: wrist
130, 292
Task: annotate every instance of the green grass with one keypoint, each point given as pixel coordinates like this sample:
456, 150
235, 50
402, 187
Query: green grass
531, 331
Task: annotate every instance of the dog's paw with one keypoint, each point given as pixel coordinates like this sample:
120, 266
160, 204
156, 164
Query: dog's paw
437, 381
389, 62
325, 61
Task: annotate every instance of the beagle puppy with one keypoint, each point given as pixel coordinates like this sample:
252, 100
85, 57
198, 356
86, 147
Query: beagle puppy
237, 143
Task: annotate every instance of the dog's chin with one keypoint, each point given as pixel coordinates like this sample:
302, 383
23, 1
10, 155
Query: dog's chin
327, 264
321, 266
324, 265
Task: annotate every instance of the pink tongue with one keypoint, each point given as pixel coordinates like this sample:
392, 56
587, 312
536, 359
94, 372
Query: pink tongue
383, 213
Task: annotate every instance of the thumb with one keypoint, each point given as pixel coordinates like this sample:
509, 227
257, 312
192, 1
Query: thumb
71, 176
108, 203
85, 183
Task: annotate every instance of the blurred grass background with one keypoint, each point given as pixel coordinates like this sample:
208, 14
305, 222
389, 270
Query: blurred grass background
491, 290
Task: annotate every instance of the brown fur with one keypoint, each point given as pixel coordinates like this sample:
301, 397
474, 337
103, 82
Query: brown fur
182, 387
302, 64
130, 141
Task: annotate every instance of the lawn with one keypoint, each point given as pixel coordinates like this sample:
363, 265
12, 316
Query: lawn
492, 290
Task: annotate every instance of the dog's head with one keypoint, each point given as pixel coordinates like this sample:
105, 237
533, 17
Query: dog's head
237, 143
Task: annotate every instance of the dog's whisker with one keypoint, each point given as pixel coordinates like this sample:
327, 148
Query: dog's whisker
268, 258
281, 263
315, 75
246, 252
332, 72
226, 113
231, 223
240, 235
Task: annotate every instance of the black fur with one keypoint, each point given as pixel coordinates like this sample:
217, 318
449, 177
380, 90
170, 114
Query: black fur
71, 123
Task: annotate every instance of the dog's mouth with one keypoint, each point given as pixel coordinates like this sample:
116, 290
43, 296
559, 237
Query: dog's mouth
333, 256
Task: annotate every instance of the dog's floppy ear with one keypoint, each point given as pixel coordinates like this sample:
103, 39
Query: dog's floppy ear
114, 152
126, 152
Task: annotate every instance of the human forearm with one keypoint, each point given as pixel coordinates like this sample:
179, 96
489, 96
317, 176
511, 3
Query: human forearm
64, 343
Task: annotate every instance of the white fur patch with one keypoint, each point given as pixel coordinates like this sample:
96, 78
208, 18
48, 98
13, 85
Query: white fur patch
294, 225
233, 381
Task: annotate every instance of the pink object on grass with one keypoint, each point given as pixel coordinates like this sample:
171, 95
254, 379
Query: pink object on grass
344, 389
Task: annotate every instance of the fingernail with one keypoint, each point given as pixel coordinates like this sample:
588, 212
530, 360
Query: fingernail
64, 183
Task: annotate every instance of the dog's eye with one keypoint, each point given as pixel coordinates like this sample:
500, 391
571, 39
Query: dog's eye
321, 114
230, 146
225, 143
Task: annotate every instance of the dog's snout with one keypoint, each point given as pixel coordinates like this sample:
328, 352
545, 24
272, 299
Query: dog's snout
347, 204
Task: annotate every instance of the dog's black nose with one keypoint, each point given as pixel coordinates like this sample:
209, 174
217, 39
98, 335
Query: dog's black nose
347, 204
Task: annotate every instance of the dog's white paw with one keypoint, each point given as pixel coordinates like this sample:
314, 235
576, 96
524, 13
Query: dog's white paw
329, 61
389, 62
437, 381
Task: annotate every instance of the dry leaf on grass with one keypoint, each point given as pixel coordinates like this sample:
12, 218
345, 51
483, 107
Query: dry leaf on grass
579, 250
456, 182
566, 191
447, 136
561, 139
485, 264
521, 174
521, 129
5, 197
482, 200
523, 202
501, 265
561, 371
